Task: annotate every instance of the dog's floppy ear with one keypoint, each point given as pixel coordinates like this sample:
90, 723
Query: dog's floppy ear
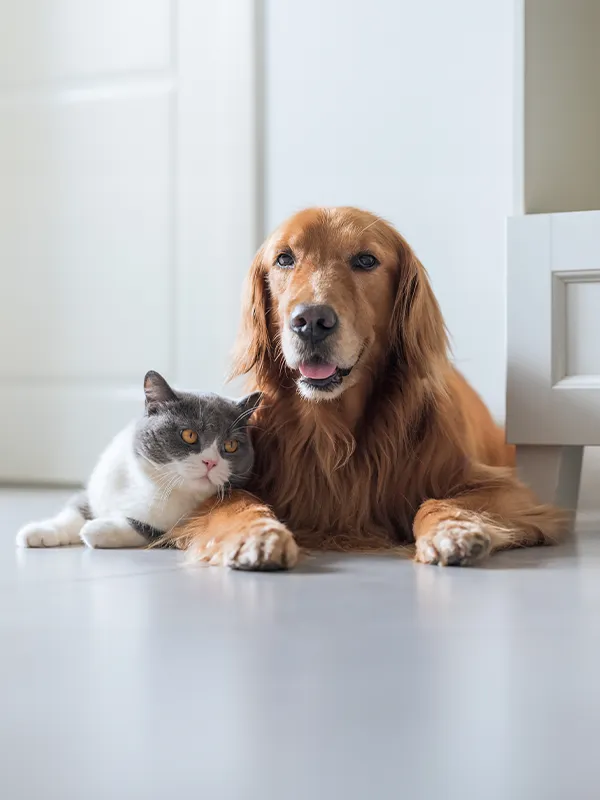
418, 334
253, 348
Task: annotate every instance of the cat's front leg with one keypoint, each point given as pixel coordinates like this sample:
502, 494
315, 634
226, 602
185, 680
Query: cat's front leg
111, 532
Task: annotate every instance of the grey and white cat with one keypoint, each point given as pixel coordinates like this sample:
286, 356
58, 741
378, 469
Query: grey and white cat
186, 448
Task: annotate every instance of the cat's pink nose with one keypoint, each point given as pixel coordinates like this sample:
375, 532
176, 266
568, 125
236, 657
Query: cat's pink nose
209, 463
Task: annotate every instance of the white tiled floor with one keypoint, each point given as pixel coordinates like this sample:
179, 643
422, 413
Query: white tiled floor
125, 675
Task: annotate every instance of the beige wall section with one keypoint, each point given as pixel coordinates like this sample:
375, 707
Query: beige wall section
562, 105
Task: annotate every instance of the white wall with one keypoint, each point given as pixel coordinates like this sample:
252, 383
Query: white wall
405, 108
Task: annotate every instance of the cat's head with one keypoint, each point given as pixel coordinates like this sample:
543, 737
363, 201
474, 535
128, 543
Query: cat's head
200, 440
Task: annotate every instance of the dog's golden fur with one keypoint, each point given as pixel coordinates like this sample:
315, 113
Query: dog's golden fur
403, 450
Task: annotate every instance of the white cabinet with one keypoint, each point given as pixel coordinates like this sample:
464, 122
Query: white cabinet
554, 329
553, 403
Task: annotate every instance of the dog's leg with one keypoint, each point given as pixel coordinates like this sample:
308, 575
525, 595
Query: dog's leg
494, 511
239, 532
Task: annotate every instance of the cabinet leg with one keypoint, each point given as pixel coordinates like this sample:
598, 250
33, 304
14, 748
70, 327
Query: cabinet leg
553, 472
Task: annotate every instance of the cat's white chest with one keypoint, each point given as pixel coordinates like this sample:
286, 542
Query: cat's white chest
120, 485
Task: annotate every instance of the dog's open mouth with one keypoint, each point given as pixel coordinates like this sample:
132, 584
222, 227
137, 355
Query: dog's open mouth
322, 375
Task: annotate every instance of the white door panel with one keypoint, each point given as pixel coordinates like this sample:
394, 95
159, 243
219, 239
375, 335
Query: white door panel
87, 209
554, 329
44, 41
127, 214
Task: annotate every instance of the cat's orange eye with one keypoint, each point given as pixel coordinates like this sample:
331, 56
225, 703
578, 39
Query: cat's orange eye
231, 445
189, 436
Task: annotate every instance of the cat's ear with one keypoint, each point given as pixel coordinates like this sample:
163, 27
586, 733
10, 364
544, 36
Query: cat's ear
249, 404
157, 390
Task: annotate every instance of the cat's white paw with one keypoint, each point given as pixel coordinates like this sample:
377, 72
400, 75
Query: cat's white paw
110, 533
44, 534
100, 533
61, 530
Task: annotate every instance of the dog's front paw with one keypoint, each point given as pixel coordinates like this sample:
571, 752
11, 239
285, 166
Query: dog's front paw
267, 545
454, 543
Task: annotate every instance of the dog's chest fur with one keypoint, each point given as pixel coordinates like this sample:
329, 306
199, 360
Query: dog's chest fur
330, 489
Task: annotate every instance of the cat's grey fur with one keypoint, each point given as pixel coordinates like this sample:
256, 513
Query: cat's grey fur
214, 418
149, 477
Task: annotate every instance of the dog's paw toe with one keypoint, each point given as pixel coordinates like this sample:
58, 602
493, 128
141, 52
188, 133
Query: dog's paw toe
266, 546
454, 543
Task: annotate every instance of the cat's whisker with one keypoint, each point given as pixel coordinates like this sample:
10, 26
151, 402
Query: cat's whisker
149, 460
166, 473
166, 492
221, 493
165, 480
163, 477
240, 479
163, 469
247, 413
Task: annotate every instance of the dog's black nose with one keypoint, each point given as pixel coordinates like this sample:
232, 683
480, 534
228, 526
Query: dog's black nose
313, 322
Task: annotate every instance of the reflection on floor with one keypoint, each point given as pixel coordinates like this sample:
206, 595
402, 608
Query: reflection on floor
127, 674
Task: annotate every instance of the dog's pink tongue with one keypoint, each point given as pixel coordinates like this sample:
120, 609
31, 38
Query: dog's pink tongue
317, 371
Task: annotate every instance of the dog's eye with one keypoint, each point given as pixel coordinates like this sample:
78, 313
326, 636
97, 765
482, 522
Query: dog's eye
364, 261
285, 260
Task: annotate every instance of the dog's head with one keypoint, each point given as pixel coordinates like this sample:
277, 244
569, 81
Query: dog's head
330, 294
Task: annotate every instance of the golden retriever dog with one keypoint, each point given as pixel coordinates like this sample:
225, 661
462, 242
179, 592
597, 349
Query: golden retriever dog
366, 437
